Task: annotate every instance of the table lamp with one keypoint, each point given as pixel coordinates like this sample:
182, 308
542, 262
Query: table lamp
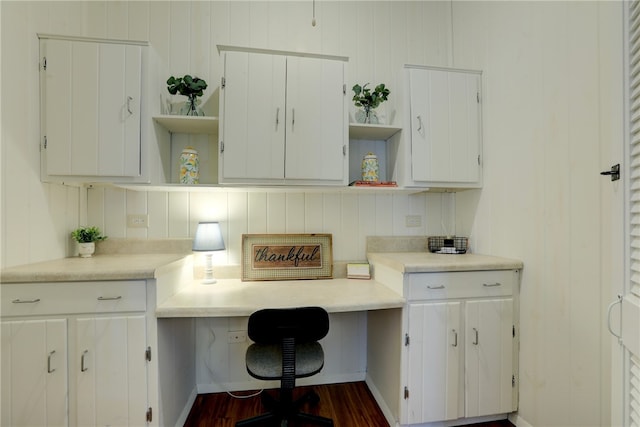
208, 238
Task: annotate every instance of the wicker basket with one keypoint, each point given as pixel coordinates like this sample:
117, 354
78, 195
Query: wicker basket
448, 245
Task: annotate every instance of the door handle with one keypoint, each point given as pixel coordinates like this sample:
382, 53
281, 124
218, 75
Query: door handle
83, 366
49, 368
614, 172
609, 309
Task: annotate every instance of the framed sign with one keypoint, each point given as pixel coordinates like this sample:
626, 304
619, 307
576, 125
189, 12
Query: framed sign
286, 256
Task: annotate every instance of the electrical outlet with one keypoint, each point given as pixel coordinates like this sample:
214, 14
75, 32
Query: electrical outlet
237, 336
413, 220
138, 221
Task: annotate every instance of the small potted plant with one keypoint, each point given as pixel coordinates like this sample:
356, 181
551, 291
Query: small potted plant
86, 238
369, 100
191, 87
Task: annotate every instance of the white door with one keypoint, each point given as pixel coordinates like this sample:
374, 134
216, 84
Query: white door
434, 367
488, 357
91, 108
34, 373
254, 117
445, 125
316, 120
110, 370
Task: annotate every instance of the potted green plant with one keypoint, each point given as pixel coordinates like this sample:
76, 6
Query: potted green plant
191, 87
369, 100
86, 238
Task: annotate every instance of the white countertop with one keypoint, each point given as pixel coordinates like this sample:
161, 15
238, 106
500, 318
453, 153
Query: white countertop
98, 267
233, 297
425, 262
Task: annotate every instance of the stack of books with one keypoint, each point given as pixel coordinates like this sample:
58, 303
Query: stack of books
374, 184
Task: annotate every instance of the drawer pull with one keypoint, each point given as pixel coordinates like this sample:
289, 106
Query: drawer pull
25, 301
455, 338
491, 285
49, 369
83, 367
475, 338
435, 286
109, 298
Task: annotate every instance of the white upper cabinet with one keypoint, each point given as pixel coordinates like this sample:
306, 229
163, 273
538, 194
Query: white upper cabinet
90, 109
283, 119
445, 123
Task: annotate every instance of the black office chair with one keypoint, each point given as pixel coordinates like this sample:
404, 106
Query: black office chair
286, 347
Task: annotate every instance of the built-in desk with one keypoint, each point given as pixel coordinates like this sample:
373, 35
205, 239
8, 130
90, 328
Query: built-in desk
233, 297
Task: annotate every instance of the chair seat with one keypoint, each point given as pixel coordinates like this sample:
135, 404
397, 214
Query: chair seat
264, 361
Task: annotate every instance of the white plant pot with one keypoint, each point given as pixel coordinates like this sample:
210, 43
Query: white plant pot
85, 250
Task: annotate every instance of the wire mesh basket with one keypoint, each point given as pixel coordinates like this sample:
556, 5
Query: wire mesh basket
448, 245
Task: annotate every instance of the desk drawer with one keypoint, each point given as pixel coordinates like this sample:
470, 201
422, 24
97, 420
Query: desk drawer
462, 284
34, 299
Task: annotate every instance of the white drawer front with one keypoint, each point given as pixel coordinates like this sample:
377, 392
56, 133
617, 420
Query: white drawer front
34, 299
461, 284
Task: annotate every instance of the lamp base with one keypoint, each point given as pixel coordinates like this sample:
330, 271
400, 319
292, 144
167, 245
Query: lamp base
208, 281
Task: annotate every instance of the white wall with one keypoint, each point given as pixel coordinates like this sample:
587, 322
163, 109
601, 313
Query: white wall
552, 86
553, 100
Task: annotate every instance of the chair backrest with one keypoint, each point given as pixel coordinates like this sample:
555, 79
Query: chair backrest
305, 324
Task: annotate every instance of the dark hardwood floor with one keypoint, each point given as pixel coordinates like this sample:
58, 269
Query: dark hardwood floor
349, 405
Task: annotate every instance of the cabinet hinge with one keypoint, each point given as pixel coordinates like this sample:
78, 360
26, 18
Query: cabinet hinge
223, 82
147, 354
406, 339
149, 415
44, 63
406, 392
513, 380
222, 146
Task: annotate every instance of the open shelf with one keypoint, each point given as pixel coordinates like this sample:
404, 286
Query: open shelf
372, 132
188, 124
269, 189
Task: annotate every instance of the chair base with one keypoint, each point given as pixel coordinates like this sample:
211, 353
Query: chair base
285, 410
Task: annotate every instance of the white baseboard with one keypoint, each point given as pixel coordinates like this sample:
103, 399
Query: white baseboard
381, 403
518, 421
187, 408
257, 385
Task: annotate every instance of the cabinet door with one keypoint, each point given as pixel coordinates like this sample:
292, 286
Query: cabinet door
91, 108
489, 357
434, 364
445, 126
110, 370
253, 117
34, 373
316, 120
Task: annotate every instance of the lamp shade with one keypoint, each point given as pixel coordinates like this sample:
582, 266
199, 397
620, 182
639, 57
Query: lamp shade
208, 237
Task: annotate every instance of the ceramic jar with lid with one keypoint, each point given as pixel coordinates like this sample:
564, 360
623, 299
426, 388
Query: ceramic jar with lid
189, 166
370, 168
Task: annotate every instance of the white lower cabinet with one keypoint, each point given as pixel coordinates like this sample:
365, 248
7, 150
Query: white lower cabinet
61, 366
433, 362
110, 370
460, 345
34, 373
